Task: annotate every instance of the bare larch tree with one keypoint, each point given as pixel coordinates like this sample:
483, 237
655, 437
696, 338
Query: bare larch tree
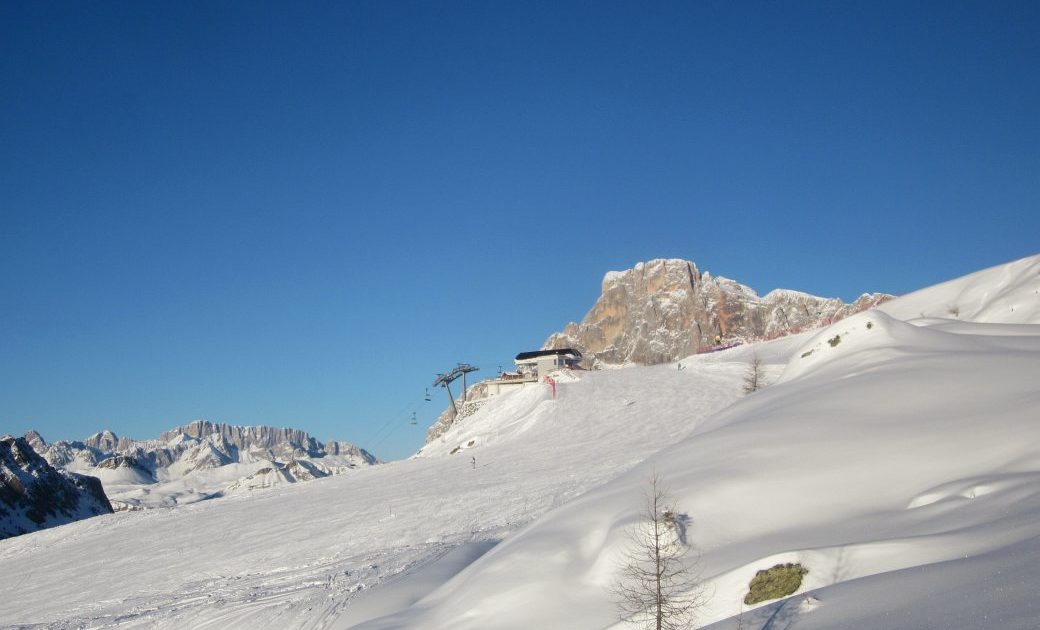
753, 376
658, 588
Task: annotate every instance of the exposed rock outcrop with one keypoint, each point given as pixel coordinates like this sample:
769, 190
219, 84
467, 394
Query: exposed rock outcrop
356, 454
476, 396
121, 461
34, 495
664, 310
278, 473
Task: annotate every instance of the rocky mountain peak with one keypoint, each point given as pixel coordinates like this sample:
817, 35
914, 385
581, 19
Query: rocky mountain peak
36, 441
666, 309
107, 441
34, 495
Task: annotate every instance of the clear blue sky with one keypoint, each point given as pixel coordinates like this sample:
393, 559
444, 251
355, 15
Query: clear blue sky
296, 214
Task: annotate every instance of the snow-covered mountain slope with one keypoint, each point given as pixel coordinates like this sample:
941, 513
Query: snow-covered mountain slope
899, 464
200, 460
307, 555
33, 495
1007, 294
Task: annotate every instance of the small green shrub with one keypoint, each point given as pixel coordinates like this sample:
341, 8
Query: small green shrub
870, 325
805, 354
835, 340
779, 581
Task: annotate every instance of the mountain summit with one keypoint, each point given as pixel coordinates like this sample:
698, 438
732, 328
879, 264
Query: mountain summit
666, 309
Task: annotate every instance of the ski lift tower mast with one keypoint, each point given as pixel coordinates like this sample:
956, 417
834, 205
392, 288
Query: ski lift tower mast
444, 380
464, 369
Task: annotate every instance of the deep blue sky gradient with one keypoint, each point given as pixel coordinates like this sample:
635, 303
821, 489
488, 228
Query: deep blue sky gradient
297, 214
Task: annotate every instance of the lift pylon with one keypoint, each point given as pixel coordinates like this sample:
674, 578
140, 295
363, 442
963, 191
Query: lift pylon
444, 380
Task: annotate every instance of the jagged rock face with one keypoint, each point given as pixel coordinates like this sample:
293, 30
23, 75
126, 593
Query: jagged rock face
444, 422
36, 441
108, 442
277, 474
664, 310
303, 470
33, 495
276, 442
120, 461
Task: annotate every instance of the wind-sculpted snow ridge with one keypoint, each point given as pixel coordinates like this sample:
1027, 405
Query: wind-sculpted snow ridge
1005, 294
200, 460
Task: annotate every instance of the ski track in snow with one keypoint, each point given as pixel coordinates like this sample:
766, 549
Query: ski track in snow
294, 557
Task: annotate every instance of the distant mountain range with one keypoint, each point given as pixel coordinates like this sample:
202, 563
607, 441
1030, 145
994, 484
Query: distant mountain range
44, 484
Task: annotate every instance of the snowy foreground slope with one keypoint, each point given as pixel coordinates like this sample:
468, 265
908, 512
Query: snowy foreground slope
306, 555
899, 463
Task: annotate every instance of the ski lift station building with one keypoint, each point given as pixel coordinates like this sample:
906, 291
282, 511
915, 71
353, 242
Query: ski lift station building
532, 366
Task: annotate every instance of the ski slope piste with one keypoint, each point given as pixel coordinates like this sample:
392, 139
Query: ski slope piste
895, 455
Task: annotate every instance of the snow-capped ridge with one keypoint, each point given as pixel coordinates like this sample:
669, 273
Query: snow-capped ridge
198, 460
1005, 294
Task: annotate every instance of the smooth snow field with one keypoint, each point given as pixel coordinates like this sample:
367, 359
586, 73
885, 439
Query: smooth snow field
894, 454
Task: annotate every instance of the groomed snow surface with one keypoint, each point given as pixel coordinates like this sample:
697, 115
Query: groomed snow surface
895, 454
